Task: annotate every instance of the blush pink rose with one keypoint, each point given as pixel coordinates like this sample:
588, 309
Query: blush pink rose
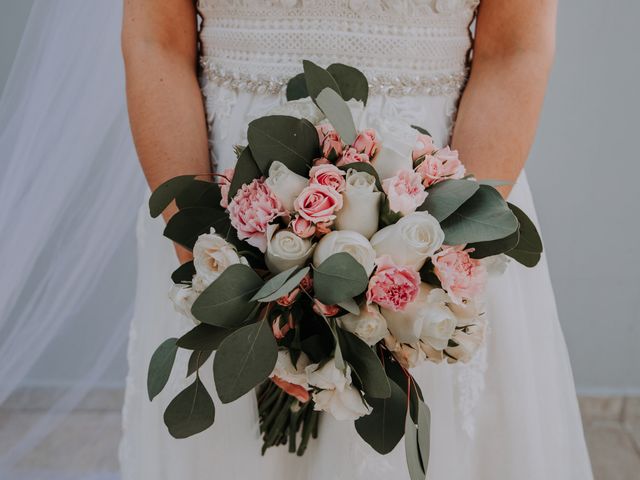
461, 276
296, 391
318, 203
330, 142
321, 161
424, 146
325, 310
303, 227
290, 299
323, 228
393, 286
251, 211
329, 176
366, 142
225, 182
405, 191
280, 331
442, 165
306, 283
353, 156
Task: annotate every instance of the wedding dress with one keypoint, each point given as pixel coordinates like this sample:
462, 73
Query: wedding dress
511, 414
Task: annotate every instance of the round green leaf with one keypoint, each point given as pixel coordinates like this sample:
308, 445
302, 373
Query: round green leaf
246, 171
339, 278
160, 367
184, 273
227, 301
196, 360
297, 88
244, 360
203, 337
447, 196
280, 285
167, 192
199, 194
352, 82
366, 364
338, 113
191, 412
187, 225
529, 248
494, 247
317, 79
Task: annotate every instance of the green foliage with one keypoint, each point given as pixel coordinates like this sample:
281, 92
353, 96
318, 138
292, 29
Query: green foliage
191, 412
196, 360
417, 442
366, 364
244, 360
529, 248
227, 301
447, 196
199, 194
338, 113
167, 193
246, 171
495, 247
280, 285
351, 81
160, 367
187, 225
184, 273
203, 337
424, 131
297, 88
340, 277
317, 79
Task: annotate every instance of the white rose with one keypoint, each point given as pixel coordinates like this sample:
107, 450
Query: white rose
285, 184
212, 255
439, 321
411, 240
361, 204
346, 241
329, 376
182, 297
285, 369
468, 341
285, 250
409, 356
398, 140
345, 404
301, 108
467, 311
370, 325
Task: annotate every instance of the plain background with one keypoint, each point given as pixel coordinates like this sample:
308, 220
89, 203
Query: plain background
584, 171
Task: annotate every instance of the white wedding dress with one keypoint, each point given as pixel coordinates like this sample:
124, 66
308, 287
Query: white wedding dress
511, 414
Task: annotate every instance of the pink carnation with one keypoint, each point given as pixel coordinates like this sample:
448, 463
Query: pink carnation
329, 176
330, 142
393, 286
352, 156
442, 165
405, 191
366, 142
424, 146
251, 211
303, 227
225, 182
461, 276
318, 203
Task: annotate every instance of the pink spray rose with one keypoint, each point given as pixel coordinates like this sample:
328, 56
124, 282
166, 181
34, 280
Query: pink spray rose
329, 176
352, 156
330, 142
424, 146
303, 227
366, 142
442, 165
225, 182
461, 276
393, 286
321, 161
318, 203
325, 310
251, 211
405, 191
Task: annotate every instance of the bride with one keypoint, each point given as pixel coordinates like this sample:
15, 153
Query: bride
512, 413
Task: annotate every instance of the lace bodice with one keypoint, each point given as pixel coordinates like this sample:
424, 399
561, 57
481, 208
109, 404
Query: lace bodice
404, 46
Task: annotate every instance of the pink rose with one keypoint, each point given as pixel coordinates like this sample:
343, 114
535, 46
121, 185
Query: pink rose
321, 161
366, 142
330, 142
290, 299
352, 156
318, 203
442, 165
405, 191
296, 391
393, 286
329, 176
280, 331
461, 276
225, 182
424, 146
325, 310
251, 211
323, 228
306, 283
303, 227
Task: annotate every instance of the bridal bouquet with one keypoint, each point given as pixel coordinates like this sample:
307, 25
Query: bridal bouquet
330, 262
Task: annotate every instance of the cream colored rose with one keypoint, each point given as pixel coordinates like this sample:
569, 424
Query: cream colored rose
285, 369
285, 184
409, 356
411, 240
361, 204
182, 297
346, 241
398, 140
467, 311
468, 341
212, 255
286, 250
301, 108
370, 325
439, 322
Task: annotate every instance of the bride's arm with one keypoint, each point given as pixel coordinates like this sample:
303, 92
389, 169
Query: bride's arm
513, 55
159, 43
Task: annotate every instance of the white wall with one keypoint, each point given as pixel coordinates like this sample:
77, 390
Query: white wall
584, 171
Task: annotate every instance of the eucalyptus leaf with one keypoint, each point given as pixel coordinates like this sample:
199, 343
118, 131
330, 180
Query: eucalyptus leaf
160, 367
350, 305
338, 113
196, 360
384, 427
246, 171
203, 337
339, 278
494, 247
424, 433
184, 273
447, 196
199, 194
297, 88
412, 451
482, 218
227, 301
352, 82
167, 193
366, 364
245, 359
281, 286
317, 79
187, 225
421, 130
290, 140
191, 412
529, 249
